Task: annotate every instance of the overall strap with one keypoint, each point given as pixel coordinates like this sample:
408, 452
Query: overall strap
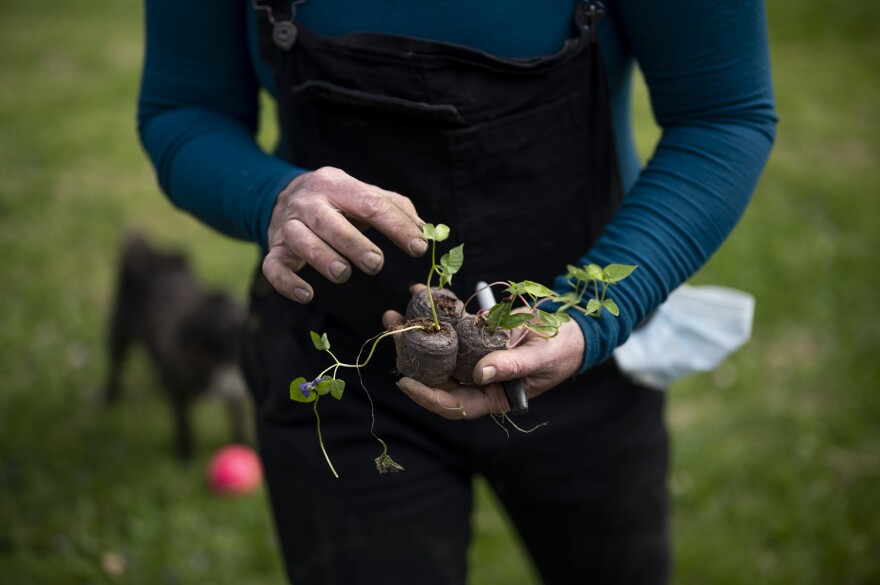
587, 15
277, 27
278, 31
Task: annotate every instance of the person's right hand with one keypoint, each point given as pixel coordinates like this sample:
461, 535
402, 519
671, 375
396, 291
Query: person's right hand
318, 219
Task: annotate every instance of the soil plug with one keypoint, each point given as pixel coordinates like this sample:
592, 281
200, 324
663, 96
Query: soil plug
474, 343
449, 307
426, 354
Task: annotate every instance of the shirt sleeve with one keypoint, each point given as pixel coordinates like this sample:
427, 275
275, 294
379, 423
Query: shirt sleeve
707, 68
197, 117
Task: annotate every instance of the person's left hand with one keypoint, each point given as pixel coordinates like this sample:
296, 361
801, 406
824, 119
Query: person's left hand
541, 363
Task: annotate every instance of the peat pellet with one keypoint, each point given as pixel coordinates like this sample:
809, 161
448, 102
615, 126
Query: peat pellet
426, 355
474, 343
449, 307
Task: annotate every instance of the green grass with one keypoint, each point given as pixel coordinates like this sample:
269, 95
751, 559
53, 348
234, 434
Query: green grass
776, 472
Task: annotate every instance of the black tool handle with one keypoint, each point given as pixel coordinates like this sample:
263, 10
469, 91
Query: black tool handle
516, 397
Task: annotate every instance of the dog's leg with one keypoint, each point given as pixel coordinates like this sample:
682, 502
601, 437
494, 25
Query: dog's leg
184, 443
118, 343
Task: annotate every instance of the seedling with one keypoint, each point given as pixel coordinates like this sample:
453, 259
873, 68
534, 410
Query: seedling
450, 263
532, 295
593, 278
428, 348
327, 382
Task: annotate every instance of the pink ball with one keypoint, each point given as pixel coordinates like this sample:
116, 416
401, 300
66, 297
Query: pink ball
234, 470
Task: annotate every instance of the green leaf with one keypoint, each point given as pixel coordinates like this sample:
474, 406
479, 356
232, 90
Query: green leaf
595, 272
297, 395
515, 288
593, 306
320, 342
514, 320
567, 300
577, 273
611, 306
536, 290
337, 387
323, 386
617, 272
437, 233
497, 314
546, 330
451, 262
551, 319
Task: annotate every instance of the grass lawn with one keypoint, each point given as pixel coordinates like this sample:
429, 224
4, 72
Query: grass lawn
776, 471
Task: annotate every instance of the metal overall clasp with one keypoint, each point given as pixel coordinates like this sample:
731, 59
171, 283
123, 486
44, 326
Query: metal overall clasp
592, 12
284, 30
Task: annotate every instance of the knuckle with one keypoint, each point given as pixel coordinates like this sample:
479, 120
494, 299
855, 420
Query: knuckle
407, 203
516, 369
372, 205
269, 269
311, 250
318, 221
327, 175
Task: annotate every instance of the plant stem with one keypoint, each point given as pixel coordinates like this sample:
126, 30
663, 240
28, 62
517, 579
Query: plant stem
321, 439
358, 364
375, 436
476, 292
430, 274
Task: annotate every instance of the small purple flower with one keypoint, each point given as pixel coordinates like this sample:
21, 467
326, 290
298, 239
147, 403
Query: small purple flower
307, 387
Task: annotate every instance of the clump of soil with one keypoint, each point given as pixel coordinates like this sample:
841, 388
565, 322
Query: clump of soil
449, 307
474, 343
425, 354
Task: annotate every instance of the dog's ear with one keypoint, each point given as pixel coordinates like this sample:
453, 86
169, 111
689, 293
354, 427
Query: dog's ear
141, 258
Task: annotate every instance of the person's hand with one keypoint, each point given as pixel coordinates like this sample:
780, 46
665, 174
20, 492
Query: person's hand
318, 219
541, 363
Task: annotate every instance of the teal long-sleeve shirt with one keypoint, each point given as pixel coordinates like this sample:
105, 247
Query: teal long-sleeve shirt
706, 65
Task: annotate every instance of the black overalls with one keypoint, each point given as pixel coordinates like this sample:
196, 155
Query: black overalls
517, 157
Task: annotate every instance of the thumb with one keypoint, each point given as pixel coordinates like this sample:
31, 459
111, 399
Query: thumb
507, 364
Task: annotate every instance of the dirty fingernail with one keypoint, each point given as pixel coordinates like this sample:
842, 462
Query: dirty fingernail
418, 246
302, 295
372, 261
487, 375
337, 269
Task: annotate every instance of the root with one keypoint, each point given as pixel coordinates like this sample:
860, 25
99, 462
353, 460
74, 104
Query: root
500, 417
458, 406
498, 420
522, 430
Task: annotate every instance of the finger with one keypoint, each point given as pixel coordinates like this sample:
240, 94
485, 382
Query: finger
392, 319
279, 268
414, 288
332, 227
509, 364
315, 251
386, 212
406, 205
458, 403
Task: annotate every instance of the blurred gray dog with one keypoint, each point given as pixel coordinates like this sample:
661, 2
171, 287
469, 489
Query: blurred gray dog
190, 333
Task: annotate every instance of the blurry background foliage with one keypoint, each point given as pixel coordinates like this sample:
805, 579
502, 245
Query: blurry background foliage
776, 471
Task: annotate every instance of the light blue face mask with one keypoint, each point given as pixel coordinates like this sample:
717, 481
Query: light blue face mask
695, 330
